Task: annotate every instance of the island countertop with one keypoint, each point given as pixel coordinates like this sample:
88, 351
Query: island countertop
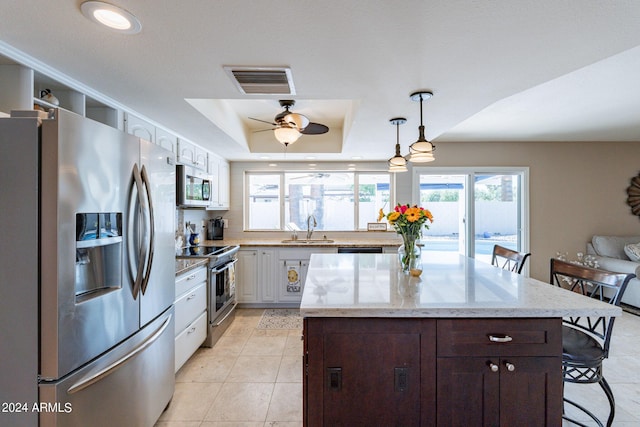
372, 285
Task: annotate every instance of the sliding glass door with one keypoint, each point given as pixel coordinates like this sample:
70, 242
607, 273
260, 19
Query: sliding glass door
474, 209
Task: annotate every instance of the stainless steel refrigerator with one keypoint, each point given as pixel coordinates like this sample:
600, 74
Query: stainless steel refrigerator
87, 274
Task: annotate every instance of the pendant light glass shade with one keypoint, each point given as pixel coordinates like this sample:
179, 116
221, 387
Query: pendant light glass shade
422, 150
286, 135
397, 163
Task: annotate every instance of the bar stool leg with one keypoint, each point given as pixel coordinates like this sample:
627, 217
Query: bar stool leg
612, 403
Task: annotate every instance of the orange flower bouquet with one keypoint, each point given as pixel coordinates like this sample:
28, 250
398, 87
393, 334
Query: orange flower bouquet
408, 222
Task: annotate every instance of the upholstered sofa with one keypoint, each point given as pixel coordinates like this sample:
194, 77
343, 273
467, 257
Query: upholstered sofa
620, 254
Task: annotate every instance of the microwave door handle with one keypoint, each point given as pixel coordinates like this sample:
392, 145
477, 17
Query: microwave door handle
142, 249
150, 226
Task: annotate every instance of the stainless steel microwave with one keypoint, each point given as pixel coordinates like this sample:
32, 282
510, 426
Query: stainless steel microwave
193, 187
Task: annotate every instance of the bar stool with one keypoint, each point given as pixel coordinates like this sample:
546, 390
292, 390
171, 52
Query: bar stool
508, 259
585, 340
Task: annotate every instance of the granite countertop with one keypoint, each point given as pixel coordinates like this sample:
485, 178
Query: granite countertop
371, 285
185, 264
345, 243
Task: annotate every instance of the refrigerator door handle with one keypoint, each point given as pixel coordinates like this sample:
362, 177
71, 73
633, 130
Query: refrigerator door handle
142, 248
150, 229
108, 370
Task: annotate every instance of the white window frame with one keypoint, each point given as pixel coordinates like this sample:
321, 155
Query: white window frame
470, 173
281, 194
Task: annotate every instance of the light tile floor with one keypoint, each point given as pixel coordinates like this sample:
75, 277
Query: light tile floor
250, 378
253, 378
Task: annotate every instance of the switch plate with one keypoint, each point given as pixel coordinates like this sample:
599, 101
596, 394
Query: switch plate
401, 379
334, 378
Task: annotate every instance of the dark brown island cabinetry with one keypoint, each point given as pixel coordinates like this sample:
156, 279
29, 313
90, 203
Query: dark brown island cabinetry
428, 372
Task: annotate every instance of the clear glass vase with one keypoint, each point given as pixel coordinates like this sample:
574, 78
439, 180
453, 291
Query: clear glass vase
409, 256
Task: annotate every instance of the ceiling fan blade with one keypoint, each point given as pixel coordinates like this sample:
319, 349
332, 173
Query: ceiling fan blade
263, 121
315, 129
262, 130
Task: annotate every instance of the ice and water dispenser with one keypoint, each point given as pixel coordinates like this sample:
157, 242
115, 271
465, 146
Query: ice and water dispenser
98, 254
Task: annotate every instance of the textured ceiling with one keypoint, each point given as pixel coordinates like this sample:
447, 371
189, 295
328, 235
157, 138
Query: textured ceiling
499, 70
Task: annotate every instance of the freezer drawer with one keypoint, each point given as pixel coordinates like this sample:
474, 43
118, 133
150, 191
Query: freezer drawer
188, 341
128, 386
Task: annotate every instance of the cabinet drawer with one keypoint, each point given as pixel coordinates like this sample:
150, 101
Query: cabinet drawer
190, 279
499, 337
188, 341
190, 305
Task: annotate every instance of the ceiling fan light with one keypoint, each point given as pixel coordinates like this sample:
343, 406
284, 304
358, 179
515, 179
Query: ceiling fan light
286, 135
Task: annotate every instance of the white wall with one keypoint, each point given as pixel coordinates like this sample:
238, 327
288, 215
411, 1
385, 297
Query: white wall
576, 189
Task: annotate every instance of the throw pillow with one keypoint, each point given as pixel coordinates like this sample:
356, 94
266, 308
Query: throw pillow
633, 251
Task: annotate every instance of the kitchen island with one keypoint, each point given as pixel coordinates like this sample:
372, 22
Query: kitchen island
464, 344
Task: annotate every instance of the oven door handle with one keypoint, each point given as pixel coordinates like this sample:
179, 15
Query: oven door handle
224, 267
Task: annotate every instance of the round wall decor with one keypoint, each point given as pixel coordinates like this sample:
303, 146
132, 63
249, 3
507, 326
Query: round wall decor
633, 192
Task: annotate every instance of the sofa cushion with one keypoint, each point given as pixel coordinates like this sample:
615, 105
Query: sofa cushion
633, 251
613, 246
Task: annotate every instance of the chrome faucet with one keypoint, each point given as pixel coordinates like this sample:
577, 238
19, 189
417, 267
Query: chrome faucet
311, 223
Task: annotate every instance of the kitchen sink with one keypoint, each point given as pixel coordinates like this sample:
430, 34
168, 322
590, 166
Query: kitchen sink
307, 241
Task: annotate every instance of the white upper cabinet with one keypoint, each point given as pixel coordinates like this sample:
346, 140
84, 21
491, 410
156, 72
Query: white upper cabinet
137, 127
167, 140
224, 184
219, 170
191, 154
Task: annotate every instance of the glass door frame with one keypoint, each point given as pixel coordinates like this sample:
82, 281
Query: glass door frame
469, 209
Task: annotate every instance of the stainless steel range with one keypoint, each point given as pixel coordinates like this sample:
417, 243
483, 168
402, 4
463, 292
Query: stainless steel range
221, 286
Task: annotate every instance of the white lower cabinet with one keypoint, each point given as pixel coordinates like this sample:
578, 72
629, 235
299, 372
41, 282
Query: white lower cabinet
190, 313
254, 276
273, 276
293, 264
247, 276
188, 341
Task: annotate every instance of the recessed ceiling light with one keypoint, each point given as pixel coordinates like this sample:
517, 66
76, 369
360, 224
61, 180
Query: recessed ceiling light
111, 16
273, 165
265, 157
356, 157
312, 164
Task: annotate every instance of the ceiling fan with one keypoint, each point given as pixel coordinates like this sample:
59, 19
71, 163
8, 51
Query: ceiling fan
291, 126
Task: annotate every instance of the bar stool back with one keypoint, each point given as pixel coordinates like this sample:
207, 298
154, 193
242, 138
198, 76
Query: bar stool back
586, 340
508, 259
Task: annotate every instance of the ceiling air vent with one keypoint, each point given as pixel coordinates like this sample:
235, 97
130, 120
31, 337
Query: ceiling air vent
262, 80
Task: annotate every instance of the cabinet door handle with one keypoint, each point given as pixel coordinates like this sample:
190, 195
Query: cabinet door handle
493, 367
510, 366
500, 338
193, 276
192, 296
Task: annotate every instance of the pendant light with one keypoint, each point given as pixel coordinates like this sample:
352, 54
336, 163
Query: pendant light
398, 163
422, 150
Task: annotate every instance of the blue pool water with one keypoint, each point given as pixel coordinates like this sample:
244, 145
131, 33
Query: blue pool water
484, 247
